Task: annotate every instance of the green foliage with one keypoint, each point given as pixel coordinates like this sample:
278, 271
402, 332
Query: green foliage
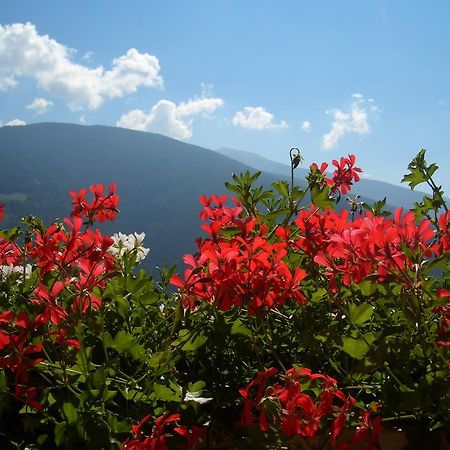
145, 350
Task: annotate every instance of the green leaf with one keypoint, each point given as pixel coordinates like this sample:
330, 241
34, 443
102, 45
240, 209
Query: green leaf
2, 381
99, 377
197, 386
60, 433
11, 234
318, 295
282, 187
239, 328
361, 313
321, 197
108, 395
229, 232
255, 176
160, 358
166, 394
123, 341
414, 178
275, 214
358, 348
70, 412
41, 439
233, 188
367, 287
194, 343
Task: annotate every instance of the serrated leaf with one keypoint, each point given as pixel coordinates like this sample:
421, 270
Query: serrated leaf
321, 198
282, 187
414, 178
165, 393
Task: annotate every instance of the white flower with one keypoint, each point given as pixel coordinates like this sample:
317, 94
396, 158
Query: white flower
128, 244
196, 397
6, 270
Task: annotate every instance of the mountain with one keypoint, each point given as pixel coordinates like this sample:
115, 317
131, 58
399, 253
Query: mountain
366, 188
159, 180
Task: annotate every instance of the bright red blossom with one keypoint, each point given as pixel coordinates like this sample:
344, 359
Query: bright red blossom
343, 176
79, 263
101, 208
162, 431
304, 411
244, 270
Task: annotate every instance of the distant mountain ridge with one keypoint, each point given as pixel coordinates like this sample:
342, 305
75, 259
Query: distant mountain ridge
367, 188
159, 180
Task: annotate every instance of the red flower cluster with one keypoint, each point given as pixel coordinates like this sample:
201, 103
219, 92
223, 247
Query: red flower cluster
163, 429
101, 208
78, 261
369, 245
444, 312
1, 211
19, 352
243, 270
305, 405
343, 176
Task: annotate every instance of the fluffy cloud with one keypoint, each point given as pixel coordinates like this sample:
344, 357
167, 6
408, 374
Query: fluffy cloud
40, 105
354, 121
256, 118
306, 126
24, 52
170, 119
15, 123
6, 82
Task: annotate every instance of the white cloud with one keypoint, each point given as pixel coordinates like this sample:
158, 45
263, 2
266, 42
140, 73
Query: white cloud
7, 82
82, 119
170, 119
24, 52
15, 123
306, 126
88, 55
40, 105
256, 118
355, 121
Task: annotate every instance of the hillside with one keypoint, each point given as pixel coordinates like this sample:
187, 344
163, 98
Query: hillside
159, 179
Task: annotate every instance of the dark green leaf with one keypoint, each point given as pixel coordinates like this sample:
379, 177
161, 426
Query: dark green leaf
321, 198
361, 313
358, 348
70, 412
239, 328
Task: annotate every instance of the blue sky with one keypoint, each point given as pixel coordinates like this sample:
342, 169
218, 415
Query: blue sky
331, 77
